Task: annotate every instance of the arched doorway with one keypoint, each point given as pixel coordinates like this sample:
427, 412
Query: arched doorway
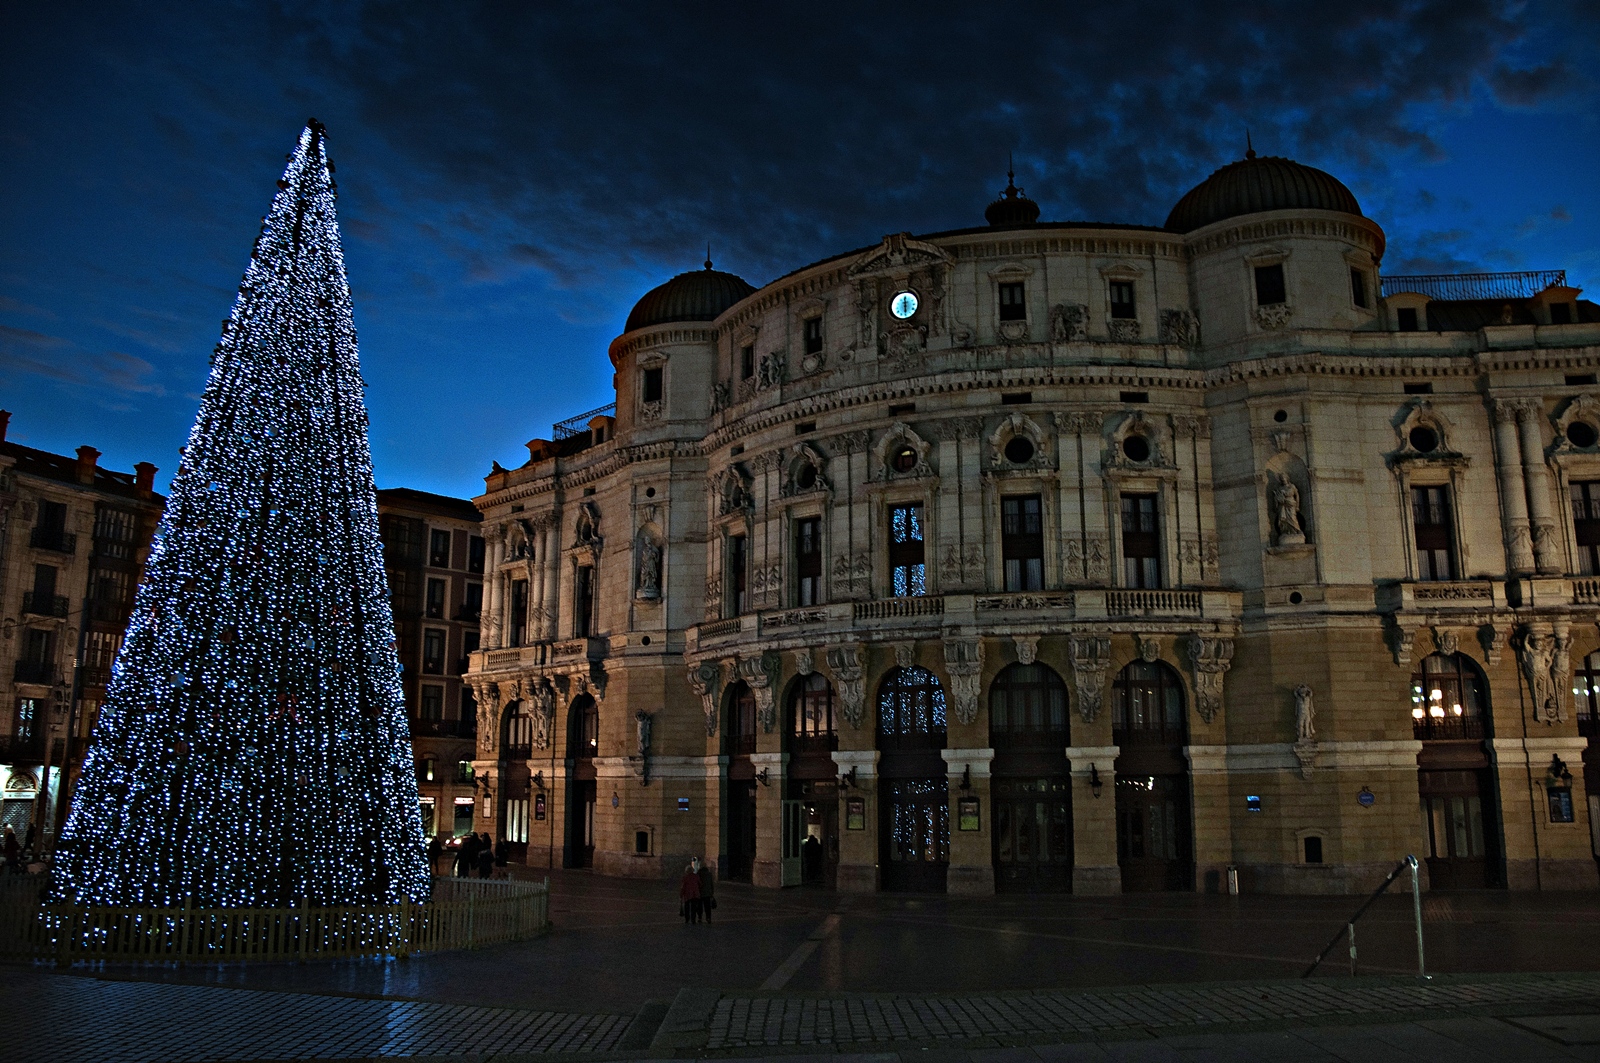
913, 786
813, 777
1586, 687
516, 746
1155, 832
583, 743
1450, 717
739, 805
1030, 792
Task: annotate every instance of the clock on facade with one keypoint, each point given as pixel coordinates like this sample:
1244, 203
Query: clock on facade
903, 305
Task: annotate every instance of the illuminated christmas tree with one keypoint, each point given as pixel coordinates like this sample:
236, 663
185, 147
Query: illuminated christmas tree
253, 748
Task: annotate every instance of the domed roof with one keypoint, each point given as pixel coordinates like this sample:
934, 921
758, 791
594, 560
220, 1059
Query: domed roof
699, 295
1255, 184
1012, 208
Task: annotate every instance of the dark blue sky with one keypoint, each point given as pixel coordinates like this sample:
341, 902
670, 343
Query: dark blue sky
512, 179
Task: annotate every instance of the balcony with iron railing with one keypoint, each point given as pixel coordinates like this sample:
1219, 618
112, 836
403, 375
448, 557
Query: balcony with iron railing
576, 426
36, 604
467, 615
26, 749
34, 672
61, 542
1465, 286
1429, 728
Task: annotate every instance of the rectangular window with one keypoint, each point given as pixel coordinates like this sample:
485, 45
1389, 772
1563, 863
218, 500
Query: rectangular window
733, 574
52, 521
747, 361
1141, 542
1560, 313
439, 548
1122, 300
25, 727
1358, 287
1433, 527
44, 581
907, 574
583, 603
427, 813
1013, 301
652, 385
475, 553
808, 559
113, 533
1269, 285
515, 828
432, 702
40, 650
462, 824
433, 651
1586, 523
472, 603
1406, 319
435, 600
1022, 542
518, 620
109, 585
811, 330
100, 649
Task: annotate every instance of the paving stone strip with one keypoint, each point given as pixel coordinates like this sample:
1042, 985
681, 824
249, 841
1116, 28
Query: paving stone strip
88, 1020
739, 1021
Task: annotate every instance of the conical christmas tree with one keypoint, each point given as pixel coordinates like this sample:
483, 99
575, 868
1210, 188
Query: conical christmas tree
253, 748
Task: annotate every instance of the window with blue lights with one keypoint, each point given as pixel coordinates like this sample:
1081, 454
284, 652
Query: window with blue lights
908, 574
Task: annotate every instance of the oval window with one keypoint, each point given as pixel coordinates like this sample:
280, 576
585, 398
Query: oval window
806, 479
1582, 434
1019, 450
904, 458
1137, 448
1424, 440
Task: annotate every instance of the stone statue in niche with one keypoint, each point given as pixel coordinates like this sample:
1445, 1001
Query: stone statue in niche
1305, 715
1286, 513
649, 569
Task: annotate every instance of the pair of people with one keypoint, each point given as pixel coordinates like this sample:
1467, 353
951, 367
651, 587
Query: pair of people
697, 891
478, 853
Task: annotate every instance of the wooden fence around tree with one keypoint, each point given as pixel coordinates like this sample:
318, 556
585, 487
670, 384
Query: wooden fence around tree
462, 914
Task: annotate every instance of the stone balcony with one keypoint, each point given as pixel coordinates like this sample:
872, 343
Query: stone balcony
1432, 596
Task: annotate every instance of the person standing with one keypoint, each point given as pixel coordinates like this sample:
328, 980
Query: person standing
27, 841
689, 894
708, 890
435, 850
485, 857
467, 856
13, 851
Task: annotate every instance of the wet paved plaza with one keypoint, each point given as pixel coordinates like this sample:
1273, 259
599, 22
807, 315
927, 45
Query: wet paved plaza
796, 971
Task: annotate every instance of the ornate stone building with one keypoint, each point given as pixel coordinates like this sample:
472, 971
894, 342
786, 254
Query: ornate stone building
1066, 556
74, 536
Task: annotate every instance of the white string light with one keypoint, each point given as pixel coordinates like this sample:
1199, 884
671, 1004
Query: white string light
253, 748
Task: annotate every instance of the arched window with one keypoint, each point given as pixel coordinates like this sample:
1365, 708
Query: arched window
519, 731
1028, 706
739, 719
811, 715
583, 728
1147, 705
1449, 698
1586, 695
911, 708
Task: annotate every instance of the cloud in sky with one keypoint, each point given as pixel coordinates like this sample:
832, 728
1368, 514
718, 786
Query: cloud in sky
514, 175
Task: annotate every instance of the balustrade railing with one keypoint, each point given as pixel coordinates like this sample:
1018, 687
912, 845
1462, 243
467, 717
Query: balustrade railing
36, 604
894, 608
1138, 602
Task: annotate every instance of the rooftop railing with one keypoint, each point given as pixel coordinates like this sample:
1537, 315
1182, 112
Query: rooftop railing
576, 426
1522, 285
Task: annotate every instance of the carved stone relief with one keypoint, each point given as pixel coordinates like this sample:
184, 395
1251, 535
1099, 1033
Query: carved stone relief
845, 664
1149, 648
963, 660
1027, 648
1180, 328
1069, 323
761, 675
1090, 656
705, 679
1210, 658
1275, 316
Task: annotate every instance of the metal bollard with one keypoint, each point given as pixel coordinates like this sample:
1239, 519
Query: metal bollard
1416, 907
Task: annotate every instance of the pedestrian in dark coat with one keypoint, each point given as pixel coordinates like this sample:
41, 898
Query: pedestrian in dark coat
502, 854
435, 850
485, 858
13, 851
689, 894
27, 840
708, 890
467, 858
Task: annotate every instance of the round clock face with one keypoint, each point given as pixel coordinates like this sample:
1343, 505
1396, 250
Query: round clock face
903, 305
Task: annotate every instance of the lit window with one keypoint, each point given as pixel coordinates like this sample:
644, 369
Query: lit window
908, 575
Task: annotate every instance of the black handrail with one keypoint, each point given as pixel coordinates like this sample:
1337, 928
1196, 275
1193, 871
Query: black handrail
1409, 863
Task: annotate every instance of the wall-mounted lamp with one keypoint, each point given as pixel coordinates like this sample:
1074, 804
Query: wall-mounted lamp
966, 777
537, 780
616, 799
848, 779
483, 781
762, 778
1558, 777
1095, 785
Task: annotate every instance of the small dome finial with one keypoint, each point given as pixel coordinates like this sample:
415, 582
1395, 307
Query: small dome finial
1249, 148
708, 254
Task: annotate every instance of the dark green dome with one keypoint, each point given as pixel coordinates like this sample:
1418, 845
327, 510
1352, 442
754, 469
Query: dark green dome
1254, 184
699, 295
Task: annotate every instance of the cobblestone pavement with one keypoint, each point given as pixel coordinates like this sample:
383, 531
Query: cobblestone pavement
86, 1020
742, 1022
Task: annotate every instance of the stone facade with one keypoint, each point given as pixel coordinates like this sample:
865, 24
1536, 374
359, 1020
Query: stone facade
1174, 478
73, 541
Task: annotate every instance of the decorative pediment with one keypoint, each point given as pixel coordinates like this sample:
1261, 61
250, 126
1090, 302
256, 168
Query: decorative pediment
1138, 443
1424, 437
803, 473
898, 253
1578, 427
731, 490
1019, 443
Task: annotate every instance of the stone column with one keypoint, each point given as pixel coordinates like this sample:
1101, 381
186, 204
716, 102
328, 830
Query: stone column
1513, 493
858, 849
493, 622
1094, 819
971, 852
1546, 547
552, 540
